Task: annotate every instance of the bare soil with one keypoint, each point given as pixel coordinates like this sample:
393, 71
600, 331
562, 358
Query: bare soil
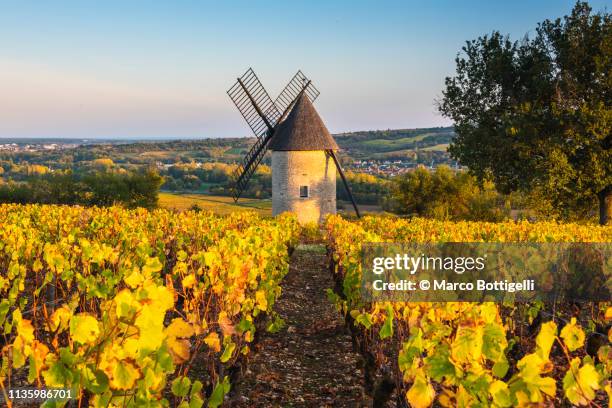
309, 363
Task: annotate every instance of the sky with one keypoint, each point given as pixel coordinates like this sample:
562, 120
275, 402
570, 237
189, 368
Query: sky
152, 69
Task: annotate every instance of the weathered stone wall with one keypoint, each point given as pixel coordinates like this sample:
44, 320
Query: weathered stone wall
292, 169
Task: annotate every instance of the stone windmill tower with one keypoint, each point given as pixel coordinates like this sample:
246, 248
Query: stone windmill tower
304, 161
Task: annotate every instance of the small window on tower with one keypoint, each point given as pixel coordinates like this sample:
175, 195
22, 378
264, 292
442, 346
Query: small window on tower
303, 191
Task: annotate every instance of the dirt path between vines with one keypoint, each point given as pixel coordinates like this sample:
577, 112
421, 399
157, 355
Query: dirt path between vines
310, 363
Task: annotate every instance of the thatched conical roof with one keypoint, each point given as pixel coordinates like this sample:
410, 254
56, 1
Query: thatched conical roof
303, 129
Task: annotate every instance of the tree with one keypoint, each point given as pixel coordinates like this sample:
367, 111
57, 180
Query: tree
445, 195
103, 163
137, 189
143, 189
367, 189
535, 115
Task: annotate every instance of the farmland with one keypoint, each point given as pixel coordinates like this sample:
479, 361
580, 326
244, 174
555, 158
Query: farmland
218, 204
121, 306
224, 205
131, 307
471, 354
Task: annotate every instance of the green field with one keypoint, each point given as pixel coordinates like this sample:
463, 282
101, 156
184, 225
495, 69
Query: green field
437, 148
236, 150
378, 144
224, 205
394, 144
216, 204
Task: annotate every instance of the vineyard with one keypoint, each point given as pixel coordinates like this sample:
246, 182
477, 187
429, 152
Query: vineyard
472, 354
135, 308
130, 308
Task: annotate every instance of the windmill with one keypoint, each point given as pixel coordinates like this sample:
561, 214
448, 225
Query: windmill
302, 179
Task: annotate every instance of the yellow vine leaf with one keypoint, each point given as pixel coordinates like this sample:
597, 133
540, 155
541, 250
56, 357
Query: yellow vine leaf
210, 259
37, 266
60, 319
55, 374
84, 328
523, 399
189, 281
151, 266
468, 344
573, 335
464, 398
25, 330
421, 394
17, 317
212, 341
150, 323
134, 279
179, 349
160, 296
608, 315
38, 356
261, 299
531, 367
177, 331
129, 348
227, 328
124, 375
179, 328
500, 393
580, 383
20, 350
545, 339
228, 352
125, 303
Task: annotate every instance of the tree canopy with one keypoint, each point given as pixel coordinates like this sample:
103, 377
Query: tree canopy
446, 195
130, 189
535, 115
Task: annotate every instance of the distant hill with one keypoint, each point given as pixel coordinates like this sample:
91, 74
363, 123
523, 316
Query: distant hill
417, 145
380, 144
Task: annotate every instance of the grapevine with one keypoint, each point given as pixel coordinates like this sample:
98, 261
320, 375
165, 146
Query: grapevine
471, 354
121, 305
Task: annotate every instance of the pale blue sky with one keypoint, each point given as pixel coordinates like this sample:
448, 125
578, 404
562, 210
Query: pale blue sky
160, 69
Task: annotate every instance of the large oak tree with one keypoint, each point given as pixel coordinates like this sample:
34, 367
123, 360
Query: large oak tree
535, 114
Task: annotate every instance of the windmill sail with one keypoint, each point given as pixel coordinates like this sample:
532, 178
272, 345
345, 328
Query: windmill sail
254, 104
249, 164
298, 84
262, 115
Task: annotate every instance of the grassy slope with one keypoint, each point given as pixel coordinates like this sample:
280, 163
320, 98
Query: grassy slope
216, 204
437, 148
225, 205
382, 143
